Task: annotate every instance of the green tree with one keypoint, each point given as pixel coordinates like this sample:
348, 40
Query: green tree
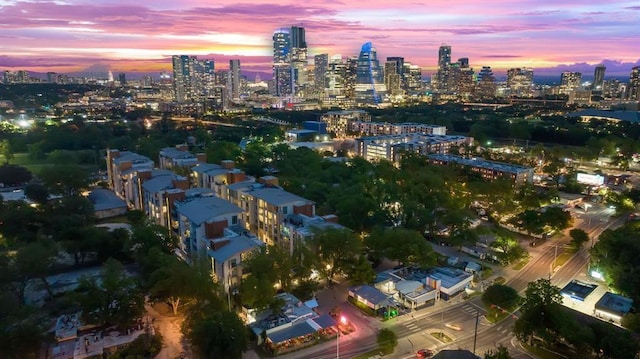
6, 151
335, 250
501, 352
540, 312
14, 175
219, 151
216, 335
114, 300
502, 296
387, 340
67, 179
362, 271
37, 193
508, 248
403, 245
631, 321
578, 238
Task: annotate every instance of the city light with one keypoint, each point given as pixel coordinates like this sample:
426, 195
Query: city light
597, 275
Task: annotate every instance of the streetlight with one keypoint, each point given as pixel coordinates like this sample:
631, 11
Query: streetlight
343, 321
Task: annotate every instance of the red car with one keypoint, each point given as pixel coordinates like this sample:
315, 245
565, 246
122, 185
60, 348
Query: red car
424, 353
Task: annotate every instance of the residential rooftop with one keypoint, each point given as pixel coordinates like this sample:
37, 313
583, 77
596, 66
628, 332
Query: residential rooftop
104, 199
277, 196
174, 153
202, 209
236, 245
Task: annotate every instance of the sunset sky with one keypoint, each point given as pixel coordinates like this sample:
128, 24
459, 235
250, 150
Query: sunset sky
125, 35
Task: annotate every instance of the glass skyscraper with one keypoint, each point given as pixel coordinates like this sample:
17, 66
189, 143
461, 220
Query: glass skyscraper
370, 87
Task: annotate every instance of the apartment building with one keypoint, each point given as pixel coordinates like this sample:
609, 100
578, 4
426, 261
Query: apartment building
179, 157
216, 177
339, 122
159, 193
489, 170
367, 128
391, 147
210, 227
122, 171
298, 228
265, 207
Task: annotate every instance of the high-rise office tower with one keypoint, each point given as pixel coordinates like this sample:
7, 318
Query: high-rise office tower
569, 82
392, 78
465, 77
321, 64
350, 78
282, 63
486, 87
444, 79
234, 79
399, 62
598, 78
633, 90
444, 56
298, 46
370, 86
519, 81
412, 78
122, 79
193, 79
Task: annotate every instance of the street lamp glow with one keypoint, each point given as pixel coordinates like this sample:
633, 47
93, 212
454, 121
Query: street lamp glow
597, 275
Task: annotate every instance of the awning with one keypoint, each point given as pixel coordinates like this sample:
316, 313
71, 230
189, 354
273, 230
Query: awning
324, 321
292, 332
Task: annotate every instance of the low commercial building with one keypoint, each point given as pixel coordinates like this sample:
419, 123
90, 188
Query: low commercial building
489, 170
370, 296
391, 147
339, 122
407, 286
612, 307
578, 290
295, 327
365, 128
448, 281
106, 203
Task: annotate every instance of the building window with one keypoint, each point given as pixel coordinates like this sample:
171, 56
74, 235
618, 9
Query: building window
233, 263
234, 220
285, 210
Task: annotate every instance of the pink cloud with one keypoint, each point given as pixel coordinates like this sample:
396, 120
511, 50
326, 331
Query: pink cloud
44, 35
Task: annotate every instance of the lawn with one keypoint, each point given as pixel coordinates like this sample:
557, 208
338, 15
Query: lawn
22, 159
441, 337
563, 258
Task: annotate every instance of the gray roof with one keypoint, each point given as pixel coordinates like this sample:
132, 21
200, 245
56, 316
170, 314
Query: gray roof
202, 209
199, 192
244, 184
614, 303
104, 199
277, 196
131, 156
479, 162
204, 167
175, 153
236, 245
371, 294
159, 183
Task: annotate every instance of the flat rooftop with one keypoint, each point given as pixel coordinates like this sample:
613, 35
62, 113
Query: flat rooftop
578, 290
479, 162
614, 304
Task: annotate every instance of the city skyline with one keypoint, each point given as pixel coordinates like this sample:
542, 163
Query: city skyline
78, 35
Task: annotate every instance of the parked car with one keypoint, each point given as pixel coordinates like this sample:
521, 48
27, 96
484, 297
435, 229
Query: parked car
424, 353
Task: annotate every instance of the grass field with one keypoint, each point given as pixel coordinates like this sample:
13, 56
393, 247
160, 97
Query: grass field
22, 159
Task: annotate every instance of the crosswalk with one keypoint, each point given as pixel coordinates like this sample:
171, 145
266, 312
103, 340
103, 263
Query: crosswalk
412, 326
469, 309
502, 329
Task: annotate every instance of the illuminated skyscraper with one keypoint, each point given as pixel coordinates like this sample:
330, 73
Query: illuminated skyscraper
298, 59
634, 84
486, 87
598, 78
234, 79
282, 62
569, 82
519, 81
321, 63
392, 78
193, 79
370, 86
444, 80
